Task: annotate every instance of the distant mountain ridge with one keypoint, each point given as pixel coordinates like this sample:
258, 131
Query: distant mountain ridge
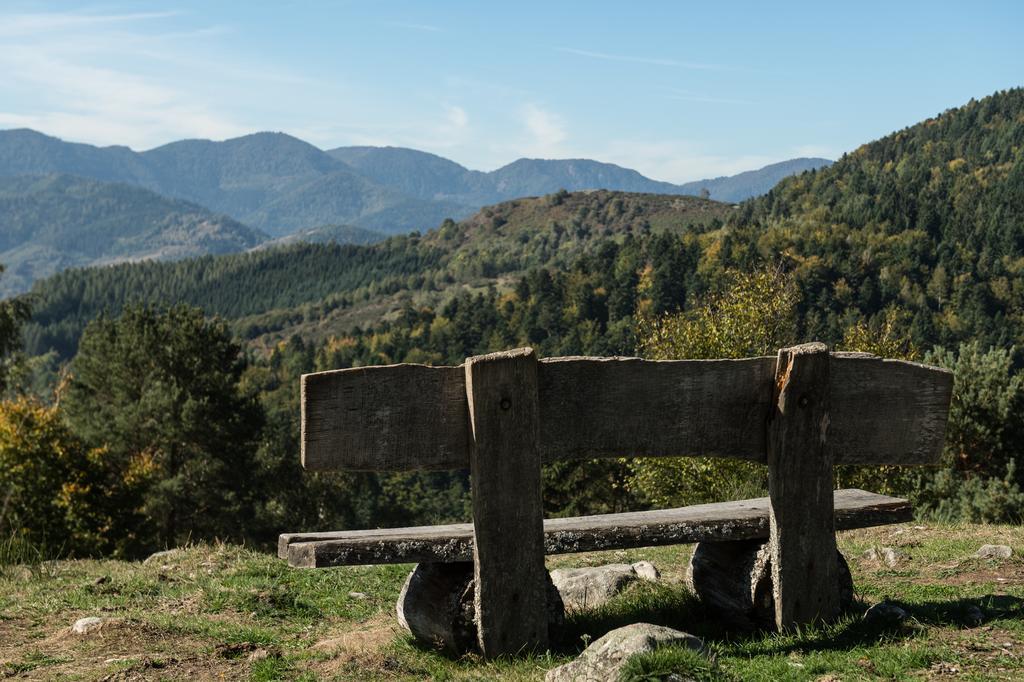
749, 184
280, 184
271, 181
195, 197
428, 176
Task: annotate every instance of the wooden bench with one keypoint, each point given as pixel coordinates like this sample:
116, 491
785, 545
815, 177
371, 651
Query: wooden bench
502, 415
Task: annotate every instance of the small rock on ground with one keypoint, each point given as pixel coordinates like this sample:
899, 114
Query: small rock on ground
890, 556
994, 552
884, 612
160, 556
605, 657
645, 570
84, 626
261, 654
592, 586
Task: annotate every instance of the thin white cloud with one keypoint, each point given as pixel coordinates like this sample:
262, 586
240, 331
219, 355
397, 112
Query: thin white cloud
640, 60
546, 129
27, 25
106, 106
701, 98
428, 28
457, 117
104, 78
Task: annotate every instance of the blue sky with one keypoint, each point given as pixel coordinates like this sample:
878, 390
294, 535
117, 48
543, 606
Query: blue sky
677, 90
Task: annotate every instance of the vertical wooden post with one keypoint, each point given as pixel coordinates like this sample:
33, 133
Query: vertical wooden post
508, 520
800, 483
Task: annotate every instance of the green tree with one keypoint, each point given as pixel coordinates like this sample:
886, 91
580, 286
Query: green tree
14, 312
887, 339
754, 315
162, 387
53, 488
980, 478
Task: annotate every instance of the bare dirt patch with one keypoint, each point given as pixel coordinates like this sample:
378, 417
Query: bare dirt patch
358, 646
118, 649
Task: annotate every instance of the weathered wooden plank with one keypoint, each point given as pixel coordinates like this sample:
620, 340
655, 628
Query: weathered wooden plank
743, 520
803, 539
627, 407
508, 518
443, 543
404, 417
887, 411
390, 418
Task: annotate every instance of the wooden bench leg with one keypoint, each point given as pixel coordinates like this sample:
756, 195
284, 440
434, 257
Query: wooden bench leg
508, 521
800, 486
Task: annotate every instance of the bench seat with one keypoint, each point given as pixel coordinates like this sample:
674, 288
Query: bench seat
740, 520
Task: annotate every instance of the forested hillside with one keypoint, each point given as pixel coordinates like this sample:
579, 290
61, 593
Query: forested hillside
341, 234
49, 223
928, 221
323, 289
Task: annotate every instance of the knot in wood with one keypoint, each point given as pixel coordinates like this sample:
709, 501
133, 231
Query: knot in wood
506, 403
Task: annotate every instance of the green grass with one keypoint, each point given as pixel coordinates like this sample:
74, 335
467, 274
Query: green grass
227, 612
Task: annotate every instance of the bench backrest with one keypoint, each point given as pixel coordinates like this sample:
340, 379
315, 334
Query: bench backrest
405, 417
502, 415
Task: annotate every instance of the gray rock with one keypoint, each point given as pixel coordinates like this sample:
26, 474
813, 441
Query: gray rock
890, 556
734, 581
84, 626
884, 612
604, 658
582, 588
357, 595
645, 570
160, 556
436, 606
994, 552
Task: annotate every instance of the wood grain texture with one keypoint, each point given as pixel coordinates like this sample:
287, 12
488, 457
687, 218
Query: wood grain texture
508, 517
404, 417
390, 418
802, 541
627, 407
887, 411
742, 520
